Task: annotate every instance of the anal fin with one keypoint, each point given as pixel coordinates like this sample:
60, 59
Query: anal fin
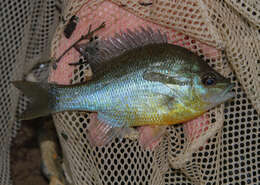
100, 133
150, 136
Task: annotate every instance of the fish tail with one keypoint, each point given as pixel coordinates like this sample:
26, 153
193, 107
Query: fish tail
39, 92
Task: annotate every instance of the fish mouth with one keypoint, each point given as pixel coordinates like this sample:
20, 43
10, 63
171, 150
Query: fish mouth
228, 93
222, 96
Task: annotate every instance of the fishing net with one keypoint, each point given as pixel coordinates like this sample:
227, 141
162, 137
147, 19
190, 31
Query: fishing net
220, 147
25, 34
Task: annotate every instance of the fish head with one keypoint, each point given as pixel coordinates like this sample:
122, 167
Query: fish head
192, 81
211, 87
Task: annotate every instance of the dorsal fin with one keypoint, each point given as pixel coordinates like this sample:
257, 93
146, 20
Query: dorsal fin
100, 52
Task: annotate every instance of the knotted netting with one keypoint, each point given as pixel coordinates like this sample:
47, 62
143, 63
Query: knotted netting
220, 147
26, 31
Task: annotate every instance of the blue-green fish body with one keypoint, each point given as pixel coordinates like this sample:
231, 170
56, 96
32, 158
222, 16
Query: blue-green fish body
152, 83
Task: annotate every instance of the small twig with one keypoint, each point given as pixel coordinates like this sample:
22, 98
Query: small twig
89, 28
83, 53
77, 49
83, 37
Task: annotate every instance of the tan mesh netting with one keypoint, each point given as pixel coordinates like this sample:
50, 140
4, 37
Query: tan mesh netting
25, 36
221, 147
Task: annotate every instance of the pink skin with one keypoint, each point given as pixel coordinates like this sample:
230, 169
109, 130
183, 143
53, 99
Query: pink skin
117, 20
195, 127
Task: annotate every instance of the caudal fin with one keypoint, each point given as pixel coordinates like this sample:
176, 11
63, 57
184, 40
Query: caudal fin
40, 99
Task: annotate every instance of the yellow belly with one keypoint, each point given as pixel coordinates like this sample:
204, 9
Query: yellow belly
178, 115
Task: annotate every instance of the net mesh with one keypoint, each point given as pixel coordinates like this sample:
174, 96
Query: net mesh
195, 152
25, 34
221, 147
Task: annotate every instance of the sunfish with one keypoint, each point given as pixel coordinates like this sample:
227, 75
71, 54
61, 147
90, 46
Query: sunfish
139, 79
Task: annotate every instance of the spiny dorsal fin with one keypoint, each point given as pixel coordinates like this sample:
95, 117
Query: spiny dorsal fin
117, 45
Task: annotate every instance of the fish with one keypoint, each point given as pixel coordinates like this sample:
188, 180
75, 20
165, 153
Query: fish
139, 79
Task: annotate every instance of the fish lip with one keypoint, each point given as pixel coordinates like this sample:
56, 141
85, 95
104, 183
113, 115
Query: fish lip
223, 96
228, 91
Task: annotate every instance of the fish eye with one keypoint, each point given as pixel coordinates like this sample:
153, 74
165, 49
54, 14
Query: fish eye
209, 80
